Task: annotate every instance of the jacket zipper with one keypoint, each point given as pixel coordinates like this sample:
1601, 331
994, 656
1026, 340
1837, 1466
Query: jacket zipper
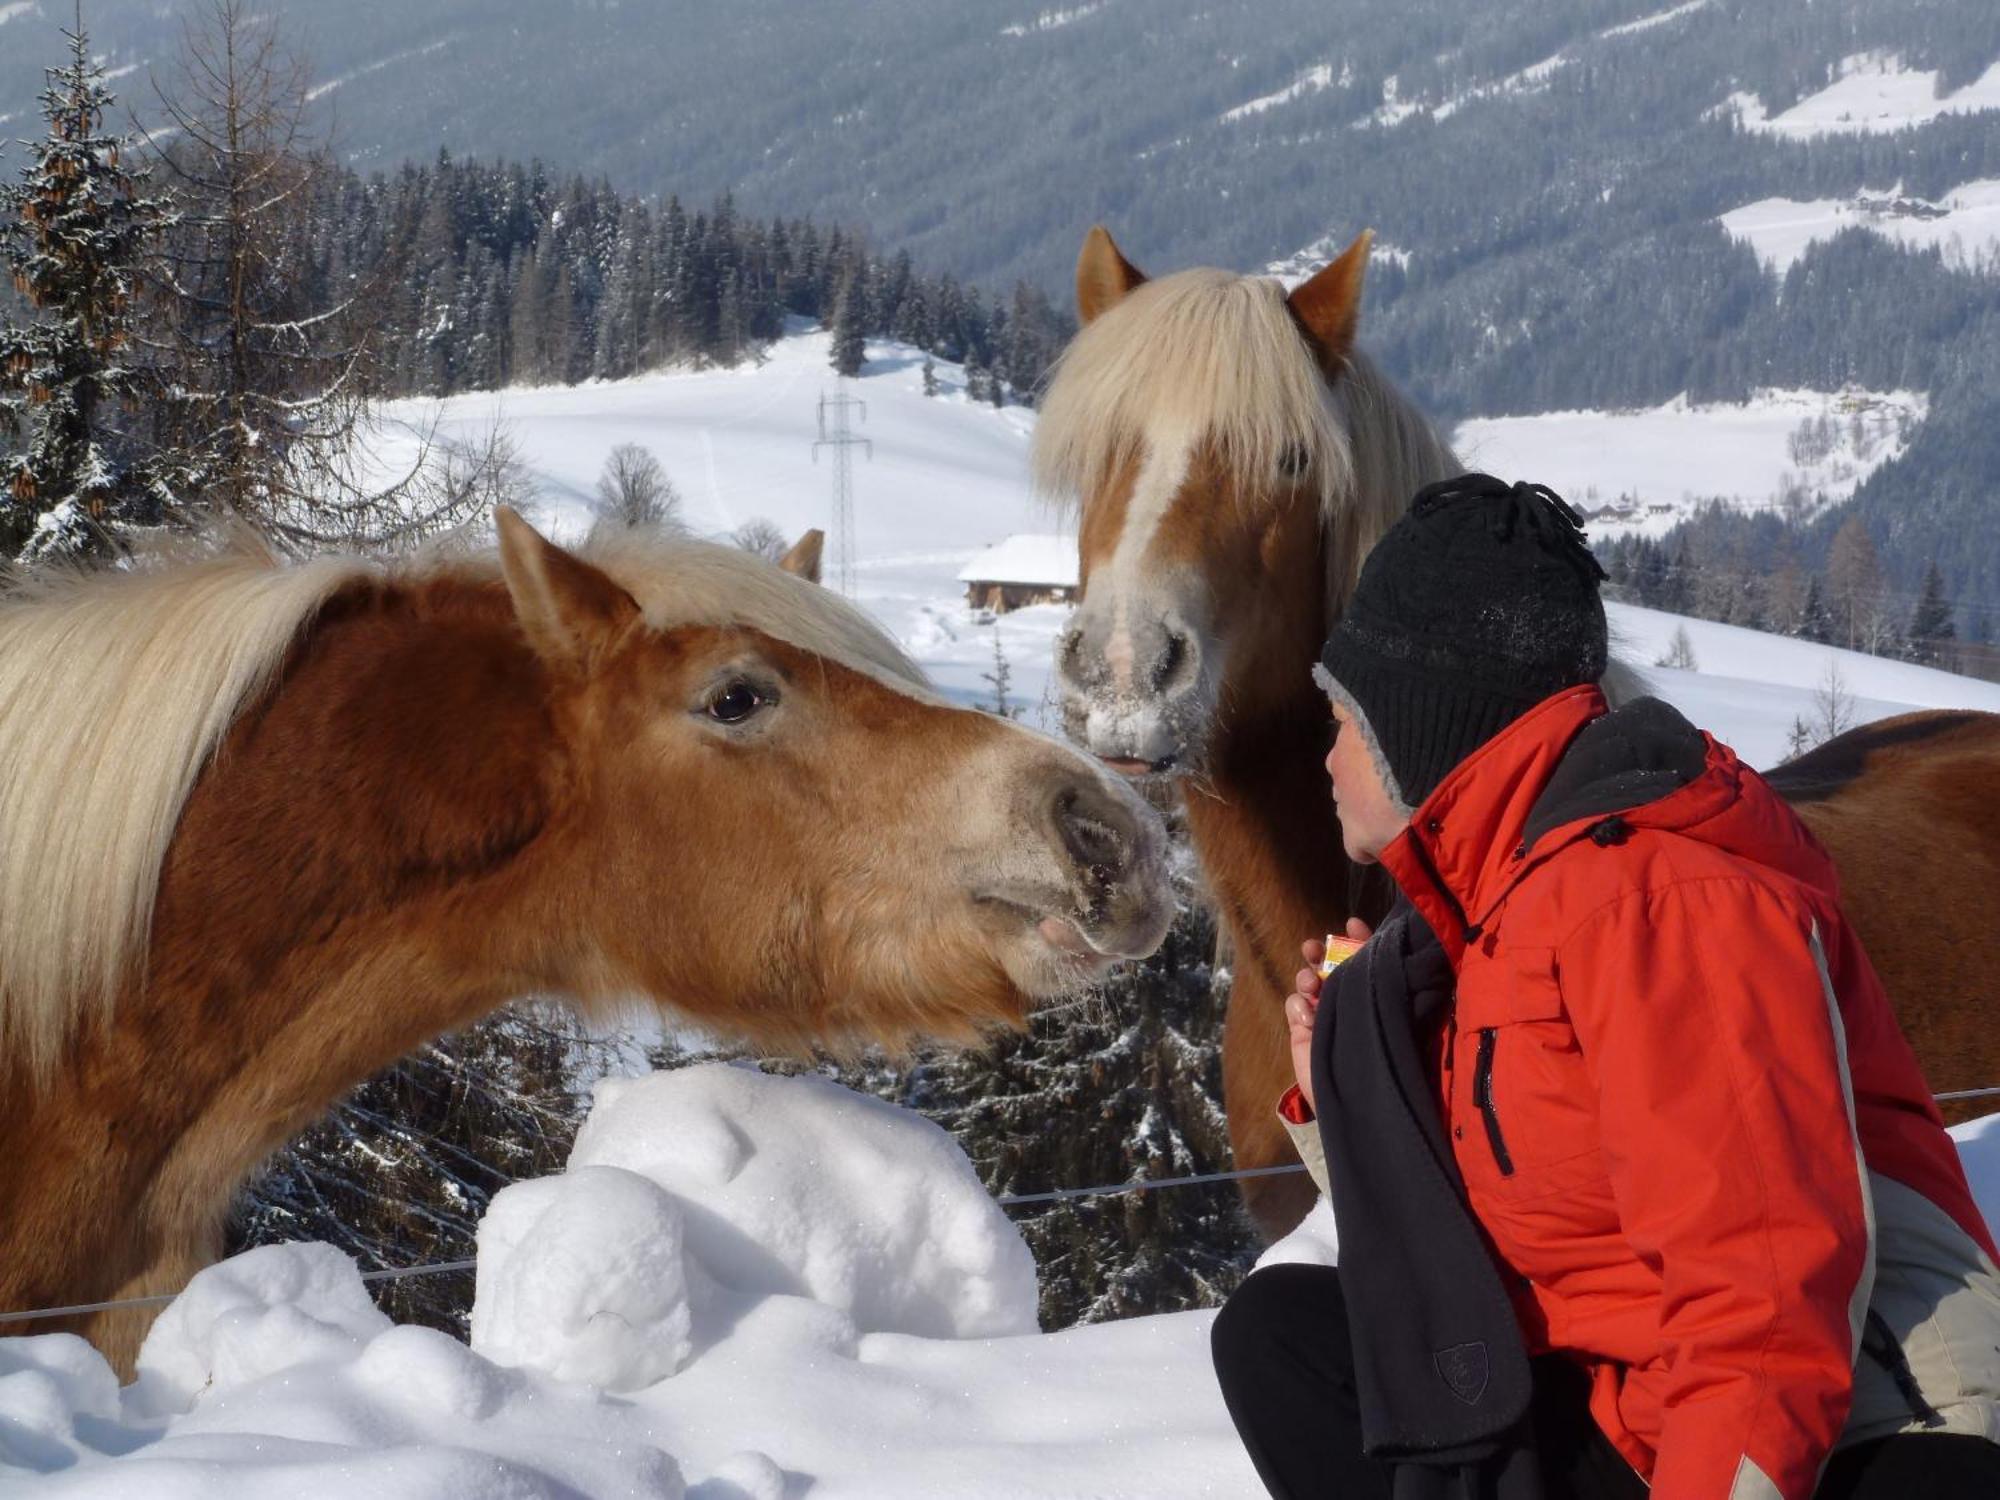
1482, 1095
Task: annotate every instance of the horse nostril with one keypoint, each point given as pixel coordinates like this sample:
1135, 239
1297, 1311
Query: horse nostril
1093, 835
1170, 660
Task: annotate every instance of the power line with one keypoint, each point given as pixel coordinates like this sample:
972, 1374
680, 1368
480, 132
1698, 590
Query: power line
835, 433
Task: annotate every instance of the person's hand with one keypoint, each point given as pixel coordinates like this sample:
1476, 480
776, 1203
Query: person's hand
1302, 1005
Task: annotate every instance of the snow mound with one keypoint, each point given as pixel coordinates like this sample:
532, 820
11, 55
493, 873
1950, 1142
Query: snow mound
51, 1385
1316, 1242
1979, 1148
582, 1276
265, 1310
796, 1186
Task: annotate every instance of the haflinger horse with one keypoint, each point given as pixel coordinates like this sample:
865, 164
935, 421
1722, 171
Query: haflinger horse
265, 829
1234, 456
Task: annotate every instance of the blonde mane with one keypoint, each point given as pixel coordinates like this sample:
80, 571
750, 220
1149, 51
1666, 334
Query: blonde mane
1214, 353
117, 687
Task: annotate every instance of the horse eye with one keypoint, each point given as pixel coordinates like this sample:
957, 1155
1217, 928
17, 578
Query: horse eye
735, 703
1294, 460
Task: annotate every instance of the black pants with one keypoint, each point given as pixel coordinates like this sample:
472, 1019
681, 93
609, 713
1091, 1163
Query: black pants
1286, 1368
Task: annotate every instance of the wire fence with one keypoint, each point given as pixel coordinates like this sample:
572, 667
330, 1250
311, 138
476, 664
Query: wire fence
1010, 1200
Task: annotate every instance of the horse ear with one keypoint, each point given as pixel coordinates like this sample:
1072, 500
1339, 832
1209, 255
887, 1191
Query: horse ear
1104, 277
571, 612
1329, 305
804, 558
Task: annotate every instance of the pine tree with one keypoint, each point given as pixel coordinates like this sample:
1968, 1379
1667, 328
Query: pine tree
75, 232
850, 344
930, 376
1815, 621
1135, 1074
1931, 631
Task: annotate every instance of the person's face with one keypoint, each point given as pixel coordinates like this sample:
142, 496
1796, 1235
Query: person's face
1368, 816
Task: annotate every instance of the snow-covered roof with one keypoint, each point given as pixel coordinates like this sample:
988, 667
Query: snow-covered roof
1029, 557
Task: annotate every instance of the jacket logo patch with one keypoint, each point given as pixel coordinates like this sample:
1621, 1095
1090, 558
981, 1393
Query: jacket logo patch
1464, 1370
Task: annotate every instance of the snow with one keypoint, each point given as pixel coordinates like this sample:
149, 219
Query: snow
798, 1187
1532, 79
948, 479
1051, 20
753, 1288
582, 1276
1312, 81
1874, 94
320, 89
1646, 470
1039, 558
787, 1190
1301, 264
1659, 18
1965, 224
272, 1375
1748, 686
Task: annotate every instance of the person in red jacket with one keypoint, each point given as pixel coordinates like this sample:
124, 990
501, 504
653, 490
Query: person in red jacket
1639, 1187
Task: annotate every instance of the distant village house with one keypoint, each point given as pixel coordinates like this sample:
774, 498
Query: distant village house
1022, 570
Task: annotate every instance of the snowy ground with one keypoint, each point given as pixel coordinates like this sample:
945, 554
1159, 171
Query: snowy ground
1652, 467
1964, 225
742, 1288
1874, 94
748, 1288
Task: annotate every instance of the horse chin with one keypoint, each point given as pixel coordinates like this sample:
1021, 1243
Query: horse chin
1139, 740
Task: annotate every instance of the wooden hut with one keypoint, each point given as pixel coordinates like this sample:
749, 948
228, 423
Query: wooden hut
1024, 569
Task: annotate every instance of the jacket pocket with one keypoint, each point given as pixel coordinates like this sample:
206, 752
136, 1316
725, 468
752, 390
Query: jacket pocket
1482, 1098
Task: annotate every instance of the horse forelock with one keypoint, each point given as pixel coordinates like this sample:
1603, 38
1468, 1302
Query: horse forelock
116, 687
1207, 356
681, 583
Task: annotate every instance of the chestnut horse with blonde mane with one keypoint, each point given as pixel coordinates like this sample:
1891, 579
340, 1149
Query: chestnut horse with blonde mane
267, 829
1234, 456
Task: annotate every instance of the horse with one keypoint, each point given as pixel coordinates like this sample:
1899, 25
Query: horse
265, 828
1233, 454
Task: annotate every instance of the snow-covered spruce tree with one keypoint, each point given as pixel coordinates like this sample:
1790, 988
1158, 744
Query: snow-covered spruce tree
73, 230
850, 326
1123, 1086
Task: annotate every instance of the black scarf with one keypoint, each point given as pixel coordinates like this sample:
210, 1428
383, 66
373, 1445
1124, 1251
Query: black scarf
1441, 1369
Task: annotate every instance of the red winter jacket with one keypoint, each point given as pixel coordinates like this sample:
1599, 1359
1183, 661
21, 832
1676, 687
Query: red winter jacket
1668, 1062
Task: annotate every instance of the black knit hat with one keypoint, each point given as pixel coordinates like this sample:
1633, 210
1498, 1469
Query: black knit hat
1478, 604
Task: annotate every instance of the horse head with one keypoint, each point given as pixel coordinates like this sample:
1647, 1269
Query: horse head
783, 832
1232, 455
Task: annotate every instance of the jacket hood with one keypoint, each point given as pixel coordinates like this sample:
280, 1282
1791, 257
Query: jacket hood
1572, 768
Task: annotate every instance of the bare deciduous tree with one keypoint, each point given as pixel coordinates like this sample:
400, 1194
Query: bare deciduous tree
1679, 652
262, 368
761, 537
1833, 704
633, 490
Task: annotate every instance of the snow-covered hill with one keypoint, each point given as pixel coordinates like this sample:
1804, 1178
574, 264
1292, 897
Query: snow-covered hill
748, 1288
1645, 471
948, 478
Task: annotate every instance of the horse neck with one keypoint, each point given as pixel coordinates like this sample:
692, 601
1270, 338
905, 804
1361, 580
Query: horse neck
349, 880
1263, 818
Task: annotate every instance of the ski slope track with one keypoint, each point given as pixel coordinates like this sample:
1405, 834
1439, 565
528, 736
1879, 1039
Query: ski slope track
747, 1287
